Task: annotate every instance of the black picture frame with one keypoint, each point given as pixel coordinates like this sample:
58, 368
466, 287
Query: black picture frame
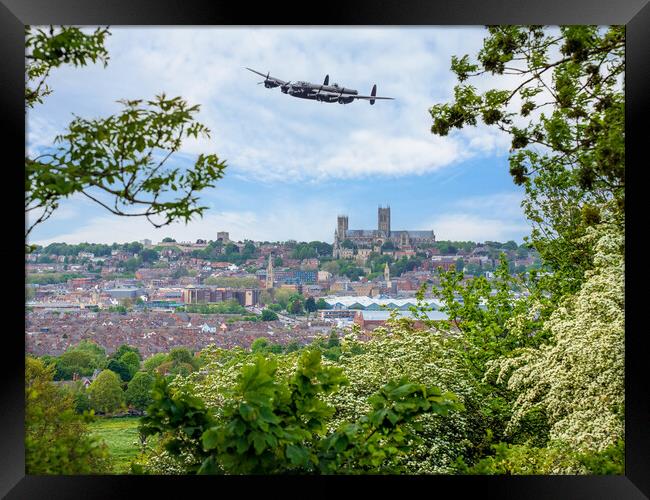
14, 14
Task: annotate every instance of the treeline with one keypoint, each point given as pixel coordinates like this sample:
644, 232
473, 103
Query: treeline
51, 278
311, 250
216, 251
448, 247
57, 412
226, 307
98, 249
89, 360
278, 299
231, 282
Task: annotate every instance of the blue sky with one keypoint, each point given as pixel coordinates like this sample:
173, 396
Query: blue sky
294, 164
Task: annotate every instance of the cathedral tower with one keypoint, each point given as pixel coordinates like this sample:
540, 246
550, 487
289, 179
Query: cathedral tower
342, 226
383, 220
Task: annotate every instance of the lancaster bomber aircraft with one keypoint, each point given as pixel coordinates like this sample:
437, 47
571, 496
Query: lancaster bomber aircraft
317, 92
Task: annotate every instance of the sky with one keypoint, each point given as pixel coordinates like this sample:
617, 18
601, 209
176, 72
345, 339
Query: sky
293, 165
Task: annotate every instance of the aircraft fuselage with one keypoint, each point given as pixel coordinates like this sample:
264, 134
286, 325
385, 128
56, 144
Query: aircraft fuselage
318, 92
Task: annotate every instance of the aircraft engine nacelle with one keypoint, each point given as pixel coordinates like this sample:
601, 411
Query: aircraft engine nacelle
345, 100
335, 88
326, 98
271, 85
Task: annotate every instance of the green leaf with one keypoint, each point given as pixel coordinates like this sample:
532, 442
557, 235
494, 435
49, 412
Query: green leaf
259, 442
297, 454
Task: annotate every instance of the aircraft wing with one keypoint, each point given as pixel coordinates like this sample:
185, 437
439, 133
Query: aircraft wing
368, 97
281, 82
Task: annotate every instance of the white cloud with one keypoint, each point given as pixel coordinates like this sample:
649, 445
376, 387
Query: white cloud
496, 217
40, 132
504, 204
266, 135
468, 227
281, 221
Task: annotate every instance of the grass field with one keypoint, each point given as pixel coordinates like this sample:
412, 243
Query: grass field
121, 436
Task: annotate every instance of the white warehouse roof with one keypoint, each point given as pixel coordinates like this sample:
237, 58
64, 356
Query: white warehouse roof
351, 302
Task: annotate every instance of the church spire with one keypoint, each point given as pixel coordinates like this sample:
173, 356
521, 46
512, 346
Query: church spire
270, 275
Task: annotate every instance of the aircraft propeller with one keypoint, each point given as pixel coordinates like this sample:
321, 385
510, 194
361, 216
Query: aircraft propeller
265, 79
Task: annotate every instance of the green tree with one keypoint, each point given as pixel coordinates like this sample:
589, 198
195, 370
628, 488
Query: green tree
331, 267
180, 355
105, 393
133, 247
154, 361
179, 361
405, 264
310, 305
83, 359
132, 361
376, 262
482, 312
138, 392
113, 161
260, 345
250, 250
322, 304
71, 362
149, 255
231, 249
565, 115
81, 400
268, 315
292, 346
57, 440
123, 349
282, 296
323, 248
304, 251
295, 306
118, 309
132, 264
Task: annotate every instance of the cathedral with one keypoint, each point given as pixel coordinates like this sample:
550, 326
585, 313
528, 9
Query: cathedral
371, 240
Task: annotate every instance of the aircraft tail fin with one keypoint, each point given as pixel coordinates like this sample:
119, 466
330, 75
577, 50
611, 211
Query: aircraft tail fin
327, 80
373, 94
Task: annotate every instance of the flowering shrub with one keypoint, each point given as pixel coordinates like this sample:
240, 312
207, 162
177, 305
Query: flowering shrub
578, 380
274, 424
419, 355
